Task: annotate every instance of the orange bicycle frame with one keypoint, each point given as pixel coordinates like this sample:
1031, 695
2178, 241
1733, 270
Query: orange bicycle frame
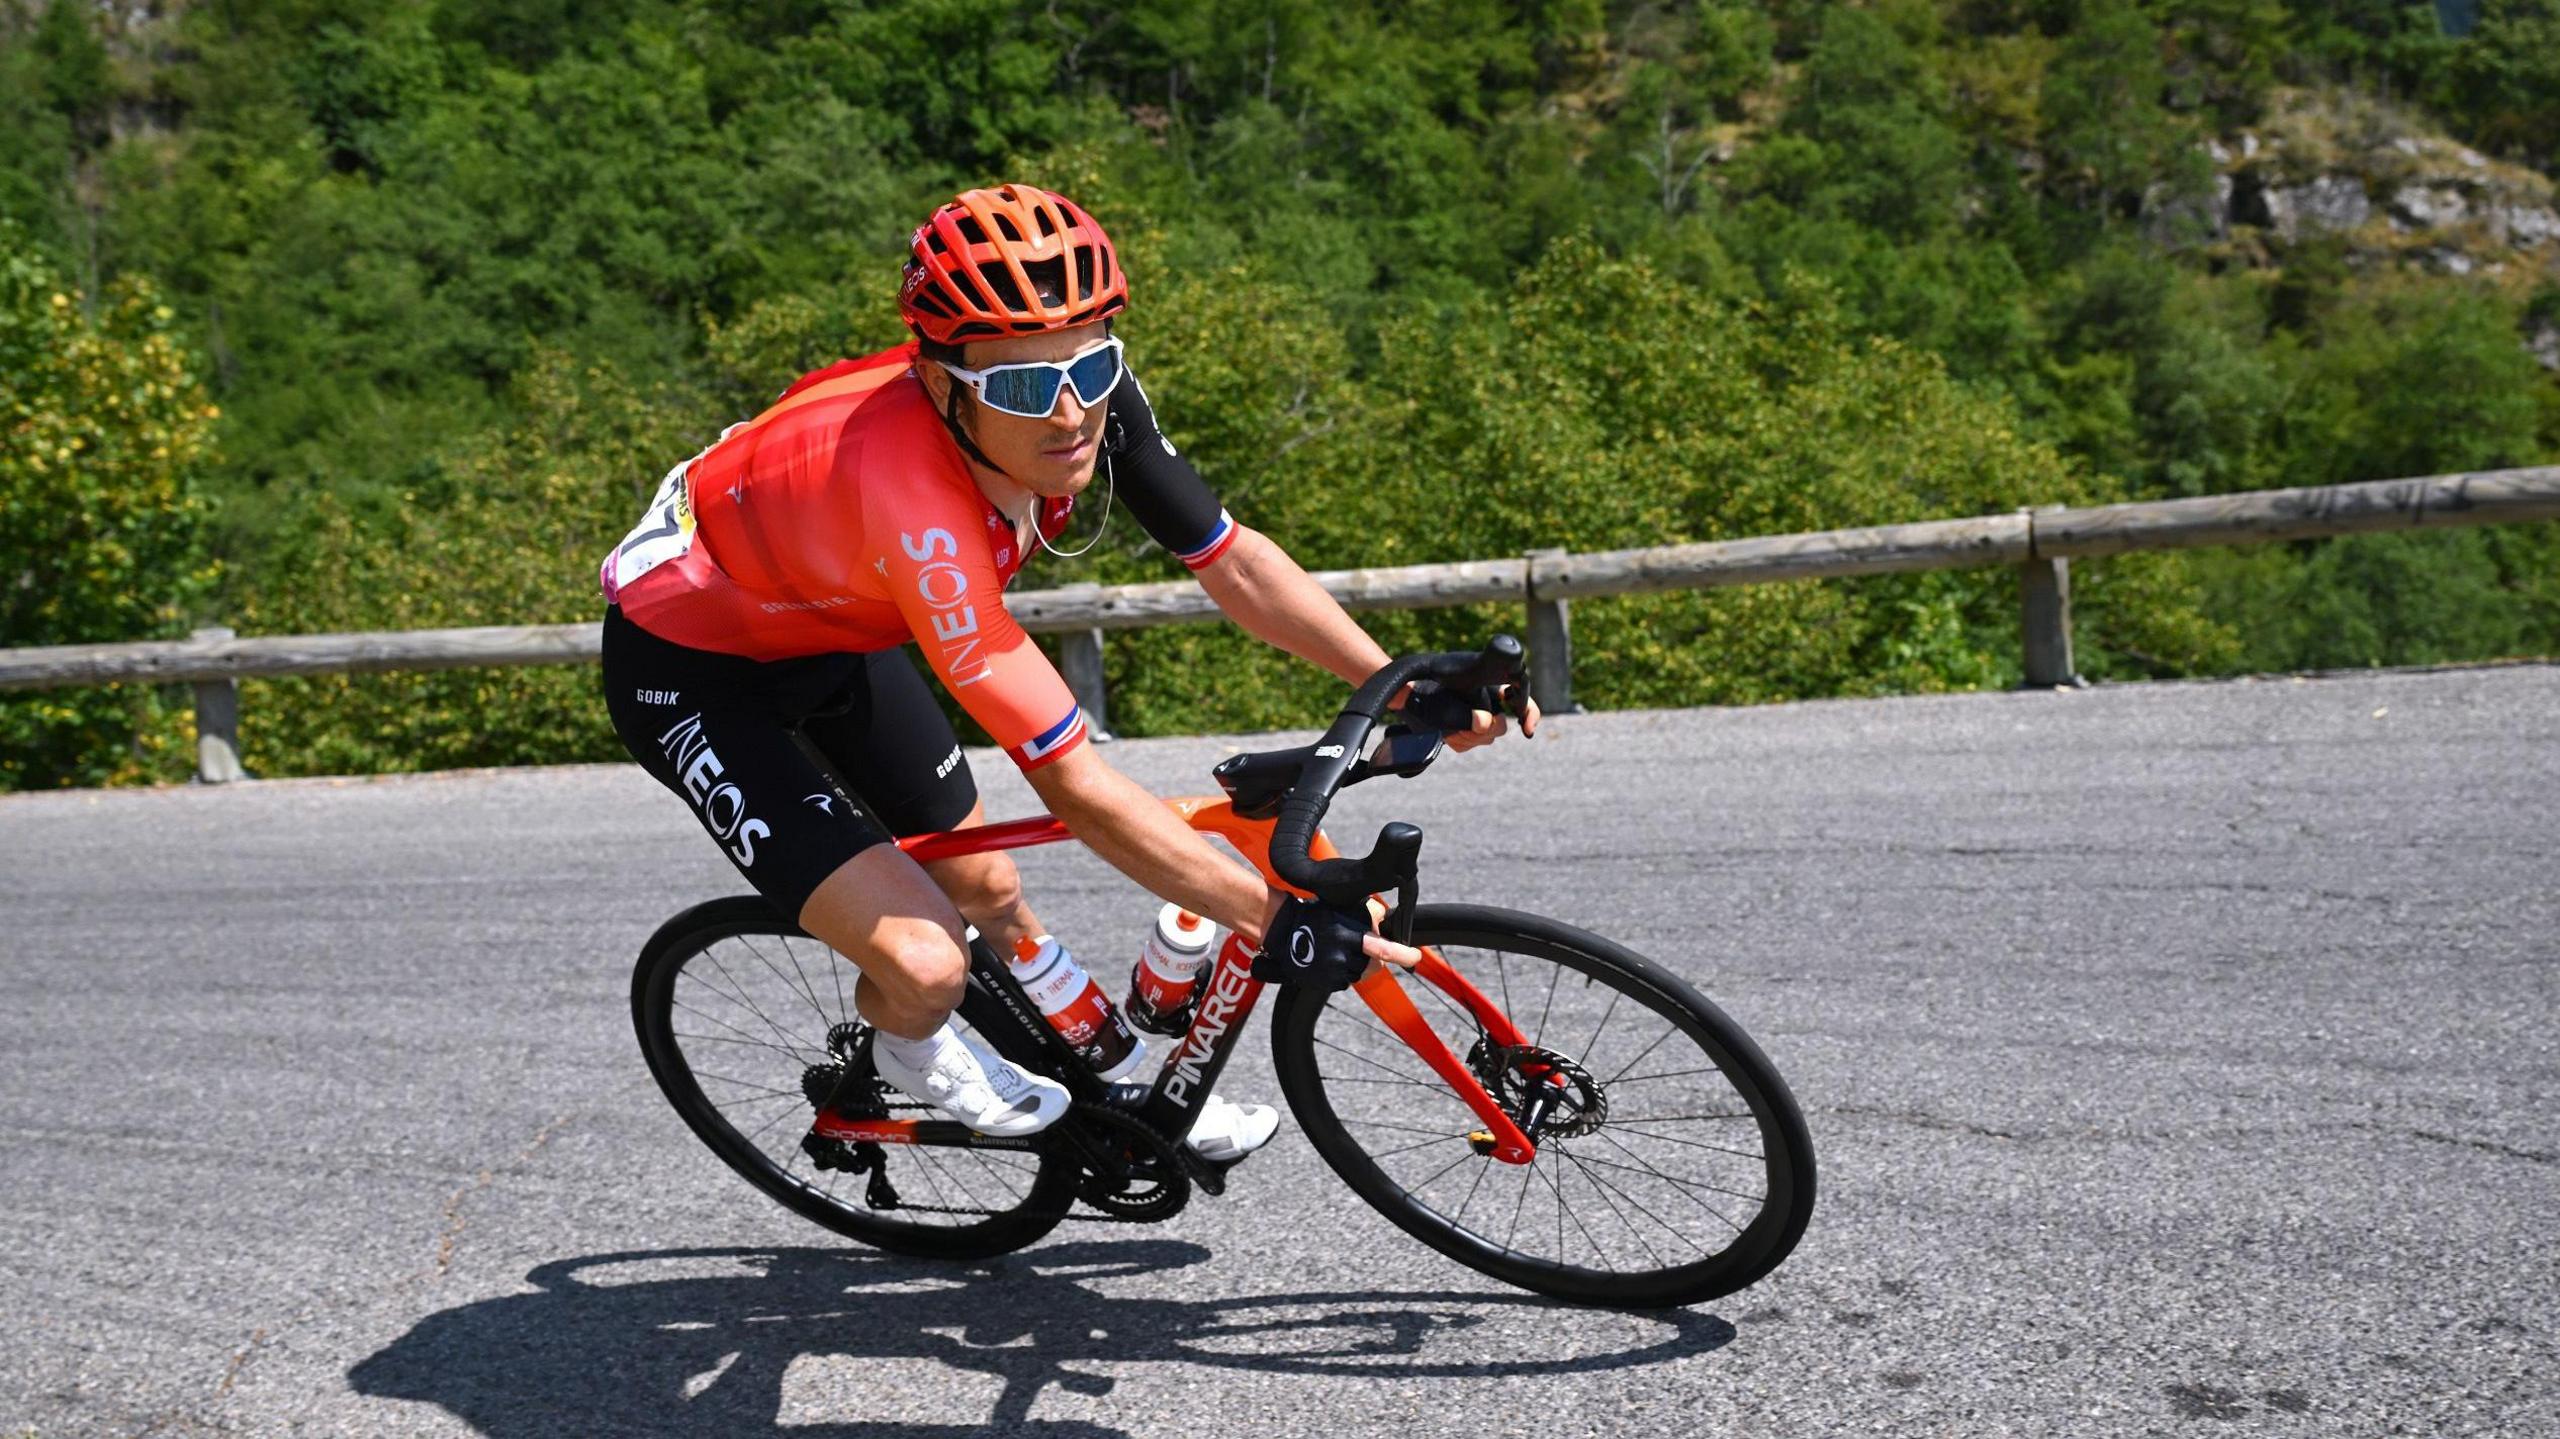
1381, 989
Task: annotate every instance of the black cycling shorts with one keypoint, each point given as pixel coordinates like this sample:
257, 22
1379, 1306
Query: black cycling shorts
792, 766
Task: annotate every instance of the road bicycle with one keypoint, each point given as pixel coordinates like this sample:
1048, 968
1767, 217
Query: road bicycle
1531, 1100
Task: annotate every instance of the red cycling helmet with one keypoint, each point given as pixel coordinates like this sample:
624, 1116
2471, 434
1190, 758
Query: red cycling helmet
1015, 260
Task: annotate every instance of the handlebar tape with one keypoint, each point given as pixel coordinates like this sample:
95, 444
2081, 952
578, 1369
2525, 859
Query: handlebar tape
1352, 881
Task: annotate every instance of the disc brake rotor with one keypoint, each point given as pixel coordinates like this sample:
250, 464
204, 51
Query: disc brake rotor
1548, 1095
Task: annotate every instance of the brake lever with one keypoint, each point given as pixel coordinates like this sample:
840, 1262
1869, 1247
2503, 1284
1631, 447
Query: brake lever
1400, 919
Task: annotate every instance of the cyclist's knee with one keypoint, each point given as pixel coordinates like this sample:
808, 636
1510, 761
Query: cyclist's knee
922, 965
983, 887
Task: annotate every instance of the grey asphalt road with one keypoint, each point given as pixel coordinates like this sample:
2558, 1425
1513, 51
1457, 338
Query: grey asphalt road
2181, 1058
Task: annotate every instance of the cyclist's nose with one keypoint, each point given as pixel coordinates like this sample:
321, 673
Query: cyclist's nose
1068, 413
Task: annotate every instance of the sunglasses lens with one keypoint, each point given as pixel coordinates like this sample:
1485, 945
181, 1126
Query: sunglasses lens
1095, 375
1023, 389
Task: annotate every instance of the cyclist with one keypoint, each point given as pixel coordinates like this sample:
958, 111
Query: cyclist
756, 617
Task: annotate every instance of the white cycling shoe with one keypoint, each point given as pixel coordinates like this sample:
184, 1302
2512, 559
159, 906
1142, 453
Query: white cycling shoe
1228, 1131
986, 1092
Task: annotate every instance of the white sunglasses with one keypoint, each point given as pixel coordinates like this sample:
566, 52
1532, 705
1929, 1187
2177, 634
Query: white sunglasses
1030, 389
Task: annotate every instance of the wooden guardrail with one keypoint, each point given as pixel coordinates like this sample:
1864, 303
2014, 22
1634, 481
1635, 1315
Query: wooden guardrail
2040, 544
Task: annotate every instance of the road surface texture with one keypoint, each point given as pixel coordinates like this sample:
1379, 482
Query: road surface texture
2181, 1058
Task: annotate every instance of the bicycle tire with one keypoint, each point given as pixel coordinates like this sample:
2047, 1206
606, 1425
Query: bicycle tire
1030, 1201
1338, 1102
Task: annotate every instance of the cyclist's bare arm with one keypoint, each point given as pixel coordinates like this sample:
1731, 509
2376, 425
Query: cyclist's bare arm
1257, 584
1137, 835
1132, 830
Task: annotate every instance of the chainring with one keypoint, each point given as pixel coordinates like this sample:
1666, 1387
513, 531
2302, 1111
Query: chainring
1155, 1185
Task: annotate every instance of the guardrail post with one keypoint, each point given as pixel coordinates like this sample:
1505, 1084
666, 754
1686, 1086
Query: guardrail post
217, 722
2045, 592
1080, 656
1550, 643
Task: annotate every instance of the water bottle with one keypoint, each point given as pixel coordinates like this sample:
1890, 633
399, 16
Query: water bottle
1168, 969
1077, 1008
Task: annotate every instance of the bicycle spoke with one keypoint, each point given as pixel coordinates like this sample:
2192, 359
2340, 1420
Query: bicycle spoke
701, 1073
743, 1037
1681, 1186
802, 987
1592, 1045
768, 1124
1639, 1206
736, 993
1372, 1063
1563, 1209
1515, 1209
1678, 1118
1640, 1167
1671, 1074
1410, 1128
1697, 1144
1555, 976
1471, 1192
1418, 1144
1667, 1032
1585, 1171
1416, 1189
746, 1101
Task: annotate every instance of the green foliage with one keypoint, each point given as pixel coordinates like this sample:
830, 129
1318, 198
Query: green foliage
2506, 81
1444, 280
104, 430
507, 529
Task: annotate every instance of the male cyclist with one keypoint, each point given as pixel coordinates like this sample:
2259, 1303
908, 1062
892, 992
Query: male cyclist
752, 640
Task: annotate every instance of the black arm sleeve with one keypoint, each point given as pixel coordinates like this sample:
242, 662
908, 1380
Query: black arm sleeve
1172, 503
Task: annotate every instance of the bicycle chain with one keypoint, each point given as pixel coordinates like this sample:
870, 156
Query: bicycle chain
1173, 1182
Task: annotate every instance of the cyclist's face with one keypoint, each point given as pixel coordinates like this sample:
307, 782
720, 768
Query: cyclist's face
1052, 456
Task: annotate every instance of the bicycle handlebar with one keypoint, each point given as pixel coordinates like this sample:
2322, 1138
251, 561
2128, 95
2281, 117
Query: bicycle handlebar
1391, 863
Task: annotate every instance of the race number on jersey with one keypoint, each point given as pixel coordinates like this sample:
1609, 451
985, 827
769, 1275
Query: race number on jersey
665, 532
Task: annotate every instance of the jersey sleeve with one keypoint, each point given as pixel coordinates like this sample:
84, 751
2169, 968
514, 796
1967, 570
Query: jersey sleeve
943, 579
1172, 503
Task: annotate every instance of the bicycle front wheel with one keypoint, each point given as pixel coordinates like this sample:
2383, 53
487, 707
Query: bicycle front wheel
747, 1022
1672, 1164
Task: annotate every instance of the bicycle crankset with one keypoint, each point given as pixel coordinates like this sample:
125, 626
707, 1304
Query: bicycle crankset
1131, 1171
1546, 1094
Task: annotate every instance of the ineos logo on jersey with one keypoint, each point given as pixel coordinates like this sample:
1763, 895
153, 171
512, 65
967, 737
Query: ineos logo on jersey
944, 587
825, 802
723, 806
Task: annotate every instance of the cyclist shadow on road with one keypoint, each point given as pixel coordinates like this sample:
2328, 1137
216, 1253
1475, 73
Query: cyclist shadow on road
698, 1341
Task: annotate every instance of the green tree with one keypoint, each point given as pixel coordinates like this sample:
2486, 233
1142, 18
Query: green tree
104, 430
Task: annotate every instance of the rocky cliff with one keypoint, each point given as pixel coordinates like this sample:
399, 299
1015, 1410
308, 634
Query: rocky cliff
2348, 166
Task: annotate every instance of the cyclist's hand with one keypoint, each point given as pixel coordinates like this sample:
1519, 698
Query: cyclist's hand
1426, 703
1320, 946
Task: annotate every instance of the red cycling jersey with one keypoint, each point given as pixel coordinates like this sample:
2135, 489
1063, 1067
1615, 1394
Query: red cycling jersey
843, 519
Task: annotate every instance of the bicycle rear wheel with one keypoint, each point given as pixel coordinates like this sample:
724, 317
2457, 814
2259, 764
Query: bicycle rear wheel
1672, 1167
746, 1021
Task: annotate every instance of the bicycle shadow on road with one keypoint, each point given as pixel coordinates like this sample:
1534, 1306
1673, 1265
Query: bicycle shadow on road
699, 1341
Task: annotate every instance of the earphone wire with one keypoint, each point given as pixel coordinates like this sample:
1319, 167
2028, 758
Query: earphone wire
1110, 487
